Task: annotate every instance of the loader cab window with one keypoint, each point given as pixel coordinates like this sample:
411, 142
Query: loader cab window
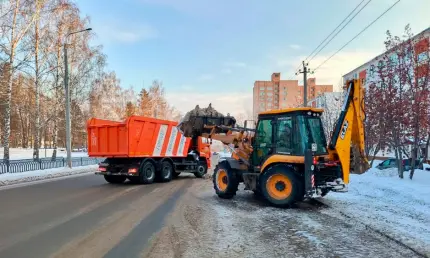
311, 131
263, 141
284, 135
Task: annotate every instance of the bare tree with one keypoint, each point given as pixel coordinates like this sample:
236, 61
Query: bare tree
14, 27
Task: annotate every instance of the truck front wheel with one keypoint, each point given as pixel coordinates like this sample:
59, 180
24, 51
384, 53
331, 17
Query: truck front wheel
147, 173
115, 179
202, 169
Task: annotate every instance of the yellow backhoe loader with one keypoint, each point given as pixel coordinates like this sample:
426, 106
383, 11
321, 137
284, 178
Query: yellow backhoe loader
285, 158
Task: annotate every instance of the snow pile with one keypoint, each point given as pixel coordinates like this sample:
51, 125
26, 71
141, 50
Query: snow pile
390, 172
192, 123
16, 178
397, 207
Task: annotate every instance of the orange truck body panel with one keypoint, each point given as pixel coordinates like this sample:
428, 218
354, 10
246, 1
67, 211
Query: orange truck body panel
137, 137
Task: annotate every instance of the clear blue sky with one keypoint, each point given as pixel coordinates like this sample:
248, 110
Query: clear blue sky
215, 50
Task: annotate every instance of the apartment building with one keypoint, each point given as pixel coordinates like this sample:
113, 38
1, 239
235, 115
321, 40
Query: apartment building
281, 94
367, 72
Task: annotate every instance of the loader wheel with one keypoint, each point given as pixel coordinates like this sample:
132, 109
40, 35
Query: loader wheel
166, 172
115, 179
147, 173
202, 169
225, 181
280, 186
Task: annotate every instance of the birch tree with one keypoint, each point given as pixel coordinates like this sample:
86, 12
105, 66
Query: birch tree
16, 23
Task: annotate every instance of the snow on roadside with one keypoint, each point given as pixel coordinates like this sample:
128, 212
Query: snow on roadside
16, 178
21, 153
397, 207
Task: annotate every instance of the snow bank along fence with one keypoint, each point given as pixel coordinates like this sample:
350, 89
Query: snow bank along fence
24, 165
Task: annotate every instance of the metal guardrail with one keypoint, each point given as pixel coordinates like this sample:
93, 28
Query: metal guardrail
25, 165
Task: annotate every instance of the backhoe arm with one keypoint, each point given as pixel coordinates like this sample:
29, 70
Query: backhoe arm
349, 133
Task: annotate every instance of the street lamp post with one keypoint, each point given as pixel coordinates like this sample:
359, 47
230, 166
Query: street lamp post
67, 96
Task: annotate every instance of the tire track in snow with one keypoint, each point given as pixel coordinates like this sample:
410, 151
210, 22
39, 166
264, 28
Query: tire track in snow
319, 203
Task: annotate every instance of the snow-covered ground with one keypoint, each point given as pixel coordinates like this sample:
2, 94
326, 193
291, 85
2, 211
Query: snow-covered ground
397, 207
19, 153
203, 225
15, 178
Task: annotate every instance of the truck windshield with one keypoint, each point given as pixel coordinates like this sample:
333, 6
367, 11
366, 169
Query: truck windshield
312, 132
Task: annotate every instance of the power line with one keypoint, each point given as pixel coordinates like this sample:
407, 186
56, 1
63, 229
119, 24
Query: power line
322, 42
365, 28
340, 30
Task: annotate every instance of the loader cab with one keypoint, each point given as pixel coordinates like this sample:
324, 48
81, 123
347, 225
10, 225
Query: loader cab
288, 132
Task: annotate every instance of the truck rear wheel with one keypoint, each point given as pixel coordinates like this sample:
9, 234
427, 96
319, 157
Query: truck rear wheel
166, 172
280, 186
115, 179
225, 181
147, 173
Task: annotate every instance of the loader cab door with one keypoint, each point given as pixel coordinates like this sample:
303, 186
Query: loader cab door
263, 141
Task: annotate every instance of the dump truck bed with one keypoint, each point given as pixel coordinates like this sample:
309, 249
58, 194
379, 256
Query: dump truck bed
138, 136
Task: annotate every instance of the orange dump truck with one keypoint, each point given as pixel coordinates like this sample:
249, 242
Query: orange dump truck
145, 150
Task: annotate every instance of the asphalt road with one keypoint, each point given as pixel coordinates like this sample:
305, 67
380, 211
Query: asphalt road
84, 217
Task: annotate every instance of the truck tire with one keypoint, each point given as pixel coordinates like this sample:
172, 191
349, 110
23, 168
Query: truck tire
147, 173
225, 181
280, 186
166, 172
115, 179
202, 169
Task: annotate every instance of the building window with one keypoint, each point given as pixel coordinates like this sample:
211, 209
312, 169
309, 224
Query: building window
422, 57
269, 104
269, 94
269, 88
262, 93
262, 87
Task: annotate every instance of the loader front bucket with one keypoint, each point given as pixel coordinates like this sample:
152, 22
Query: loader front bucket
194, 121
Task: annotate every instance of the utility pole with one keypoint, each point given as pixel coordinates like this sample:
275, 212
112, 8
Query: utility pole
67, 96
305, 72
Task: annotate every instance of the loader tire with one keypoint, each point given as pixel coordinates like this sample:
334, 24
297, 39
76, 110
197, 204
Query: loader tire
115, 179
225, 181
280, 186
166, 173
147, 173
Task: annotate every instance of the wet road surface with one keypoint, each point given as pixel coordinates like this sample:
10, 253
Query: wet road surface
84, 217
